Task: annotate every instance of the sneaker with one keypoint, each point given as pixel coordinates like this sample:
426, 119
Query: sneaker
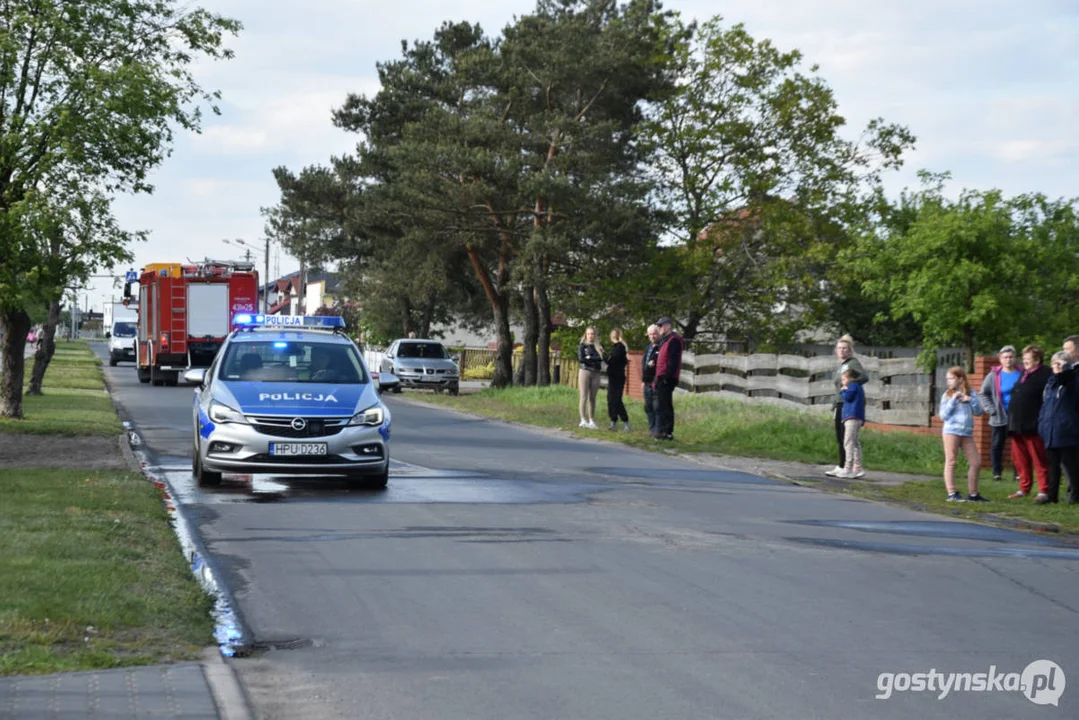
592, 425
956, 497
1041, 499
977, 497
996, 478
1017, 494
626, 427
858, 473
844, 473
613, 427
834, 472
584, 424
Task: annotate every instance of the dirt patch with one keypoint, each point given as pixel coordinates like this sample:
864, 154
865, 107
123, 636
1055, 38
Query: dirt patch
57, 451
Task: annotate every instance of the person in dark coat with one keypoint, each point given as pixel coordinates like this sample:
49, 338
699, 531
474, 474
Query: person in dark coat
1058, 426
648, 375
1028, 450
668, 368
617, 361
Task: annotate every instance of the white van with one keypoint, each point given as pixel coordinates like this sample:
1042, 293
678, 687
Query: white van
122, 341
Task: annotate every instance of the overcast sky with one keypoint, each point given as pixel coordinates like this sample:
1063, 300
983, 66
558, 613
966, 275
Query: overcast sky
988, 86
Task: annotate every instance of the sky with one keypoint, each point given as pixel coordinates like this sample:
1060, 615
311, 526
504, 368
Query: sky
988, 87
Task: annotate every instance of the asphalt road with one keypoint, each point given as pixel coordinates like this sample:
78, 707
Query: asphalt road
512, 573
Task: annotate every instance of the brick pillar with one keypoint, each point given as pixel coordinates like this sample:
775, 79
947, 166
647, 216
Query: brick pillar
633, 375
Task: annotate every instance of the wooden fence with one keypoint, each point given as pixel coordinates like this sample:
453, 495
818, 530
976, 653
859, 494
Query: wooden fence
898, 392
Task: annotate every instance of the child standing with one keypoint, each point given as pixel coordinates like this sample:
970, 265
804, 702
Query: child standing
958, 406
853, 415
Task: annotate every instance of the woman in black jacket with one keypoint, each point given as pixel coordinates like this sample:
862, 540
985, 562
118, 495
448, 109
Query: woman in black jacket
1028, 450
1058, 425
617, 360
590, 356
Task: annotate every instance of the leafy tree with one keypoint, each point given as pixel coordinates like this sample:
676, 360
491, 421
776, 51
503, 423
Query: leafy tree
977, 272
89, 95
750, 164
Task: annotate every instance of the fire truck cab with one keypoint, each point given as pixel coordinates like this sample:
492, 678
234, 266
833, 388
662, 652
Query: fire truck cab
185, 314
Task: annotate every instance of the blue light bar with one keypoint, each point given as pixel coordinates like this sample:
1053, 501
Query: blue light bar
286, 321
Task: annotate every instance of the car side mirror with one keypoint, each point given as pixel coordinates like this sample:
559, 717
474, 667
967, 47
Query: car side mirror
195, 376
387, 381
108, 335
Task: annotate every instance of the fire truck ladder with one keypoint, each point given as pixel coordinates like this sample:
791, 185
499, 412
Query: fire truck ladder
178, 321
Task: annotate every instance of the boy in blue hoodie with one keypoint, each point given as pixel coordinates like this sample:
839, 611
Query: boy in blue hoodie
853, 415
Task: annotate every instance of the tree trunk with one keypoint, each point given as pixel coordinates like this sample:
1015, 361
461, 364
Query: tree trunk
543, 309
45, 350
406, 309
428, 317
16, 324
503, 376
528, 349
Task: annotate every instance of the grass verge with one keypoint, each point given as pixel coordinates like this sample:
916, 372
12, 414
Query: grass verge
715, 425
74, 401
90, 573
91, 577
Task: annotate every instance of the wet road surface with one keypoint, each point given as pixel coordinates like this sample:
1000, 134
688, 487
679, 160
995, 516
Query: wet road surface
509, 573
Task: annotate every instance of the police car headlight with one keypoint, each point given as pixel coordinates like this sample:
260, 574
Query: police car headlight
372, 416
224, 414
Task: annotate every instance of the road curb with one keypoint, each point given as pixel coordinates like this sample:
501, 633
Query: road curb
229, 696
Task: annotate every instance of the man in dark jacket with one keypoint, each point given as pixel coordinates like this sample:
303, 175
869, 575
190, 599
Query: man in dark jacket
648, 374
668, 367
1028, 450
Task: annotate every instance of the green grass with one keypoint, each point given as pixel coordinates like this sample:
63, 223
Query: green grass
930, 496
711, 425
65, 412
74, 401
90, 576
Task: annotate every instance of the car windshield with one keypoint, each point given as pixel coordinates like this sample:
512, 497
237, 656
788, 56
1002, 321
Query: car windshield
292, 361
123, 329
424, 350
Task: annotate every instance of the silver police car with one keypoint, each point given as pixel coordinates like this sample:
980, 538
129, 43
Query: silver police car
289, 395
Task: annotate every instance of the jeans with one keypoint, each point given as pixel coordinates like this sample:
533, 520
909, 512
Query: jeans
650, 407
996, 449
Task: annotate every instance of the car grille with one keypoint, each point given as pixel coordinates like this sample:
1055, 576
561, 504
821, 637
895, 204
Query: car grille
298, 459
280, 426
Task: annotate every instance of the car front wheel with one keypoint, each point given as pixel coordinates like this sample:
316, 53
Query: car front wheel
202, 475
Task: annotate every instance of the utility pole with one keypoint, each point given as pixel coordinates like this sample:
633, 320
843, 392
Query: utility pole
266, 280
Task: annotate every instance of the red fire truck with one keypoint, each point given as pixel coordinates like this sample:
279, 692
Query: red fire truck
185, 314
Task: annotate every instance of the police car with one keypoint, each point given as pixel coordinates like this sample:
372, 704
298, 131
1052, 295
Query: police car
289, 395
